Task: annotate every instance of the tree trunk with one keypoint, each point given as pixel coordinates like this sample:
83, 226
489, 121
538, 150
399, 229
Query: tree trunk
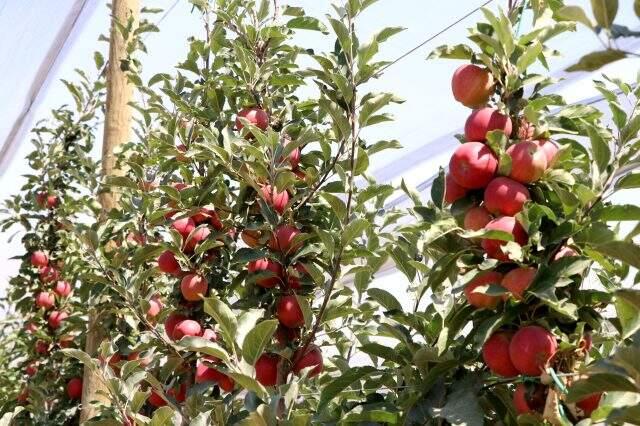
117, 129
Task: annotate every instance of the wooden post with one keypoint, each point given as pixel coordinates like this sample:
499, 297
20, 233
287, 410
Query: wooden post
117, 129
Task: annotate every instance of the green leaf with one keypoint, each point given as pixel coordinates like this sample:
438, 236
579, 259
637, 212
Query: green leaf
599, 383
458, 51
462, 406
384, 298
381, 351
353, 230
438, 189
636, 7
627, 304
600, 148
604, 11
249, 383
343, 34
257, 339
618, 212
204, 346
595, 60
337, 205
621, 250
307, 23
575, 13
628, 181
164, 416
343, 381
224, 316
529, 57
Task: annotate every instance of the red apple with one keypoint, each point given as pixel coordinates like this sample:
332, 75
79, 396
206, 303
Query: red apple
531, 348
178, 393
504, 196
226, 383
56, 318
452, 191
23, 396
193, 287
550, 150
485, 120
266, 265
31, 369
282, 240
156, 400
284, 335
589, 404
52, 201
275, 199
30, 327
495, 353
49, 274
529, 398
256, 116
472, 85
74, 388
135, 356
39, 259
155, 306
210, 334
482, 300
311, 358
184, 226
565, 251
208, 214
66, 341
294, 276
186, 328
62, 289
493, 248
473, 165
251, 237
289, 312
196, 238
171, 322
45, 300
476, 218
42, 347
267, 369
205, 373
518, 280
528, 162
168, 264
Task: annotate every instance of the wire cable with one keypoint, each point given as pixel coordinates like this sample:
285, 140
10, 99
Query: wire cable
439, 33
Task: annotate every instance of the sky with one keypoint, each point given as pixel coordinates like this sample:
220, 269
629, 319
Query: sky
424, 122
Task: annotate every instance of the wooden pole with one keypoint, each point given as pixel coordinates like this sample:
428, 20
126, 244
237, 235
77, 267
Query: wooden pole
117, 130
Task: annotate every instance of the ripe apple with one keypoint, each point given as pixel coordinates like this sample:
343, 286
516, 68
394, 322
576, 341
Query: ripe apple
30, 328
31, 369
39, 259
589, 404
178, 393
476, 218
284, 335
208, 214
493, 248
23, 396
473, 165
210, 334
204, 373
565, 251
531, 348
294, 158
529, 398
518, 280
74, 388
49, 274
168, 264
62, 288
155, 306
505, 196
295, 274
193, 287
485, 120
289, 312
226, 383
267, 369
45, 300
311, 358
550, 150
482, 300
156, 400
472, 85
135, 356
256, 116
184, 226
528, 162
282, 239
195, 238
42, 347
251, 237
66, 341
275, 199
56, 318
266, 265
171, 322
186, 328
495, 353
452, 191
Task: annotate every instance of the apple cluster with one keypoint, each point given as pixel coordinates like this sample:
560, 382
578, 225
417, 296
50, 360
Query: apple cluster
475, 169
49, 304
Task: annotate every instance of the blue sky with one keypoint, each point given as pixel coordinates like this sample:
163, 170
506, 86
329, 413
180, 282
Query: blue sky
429, 113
